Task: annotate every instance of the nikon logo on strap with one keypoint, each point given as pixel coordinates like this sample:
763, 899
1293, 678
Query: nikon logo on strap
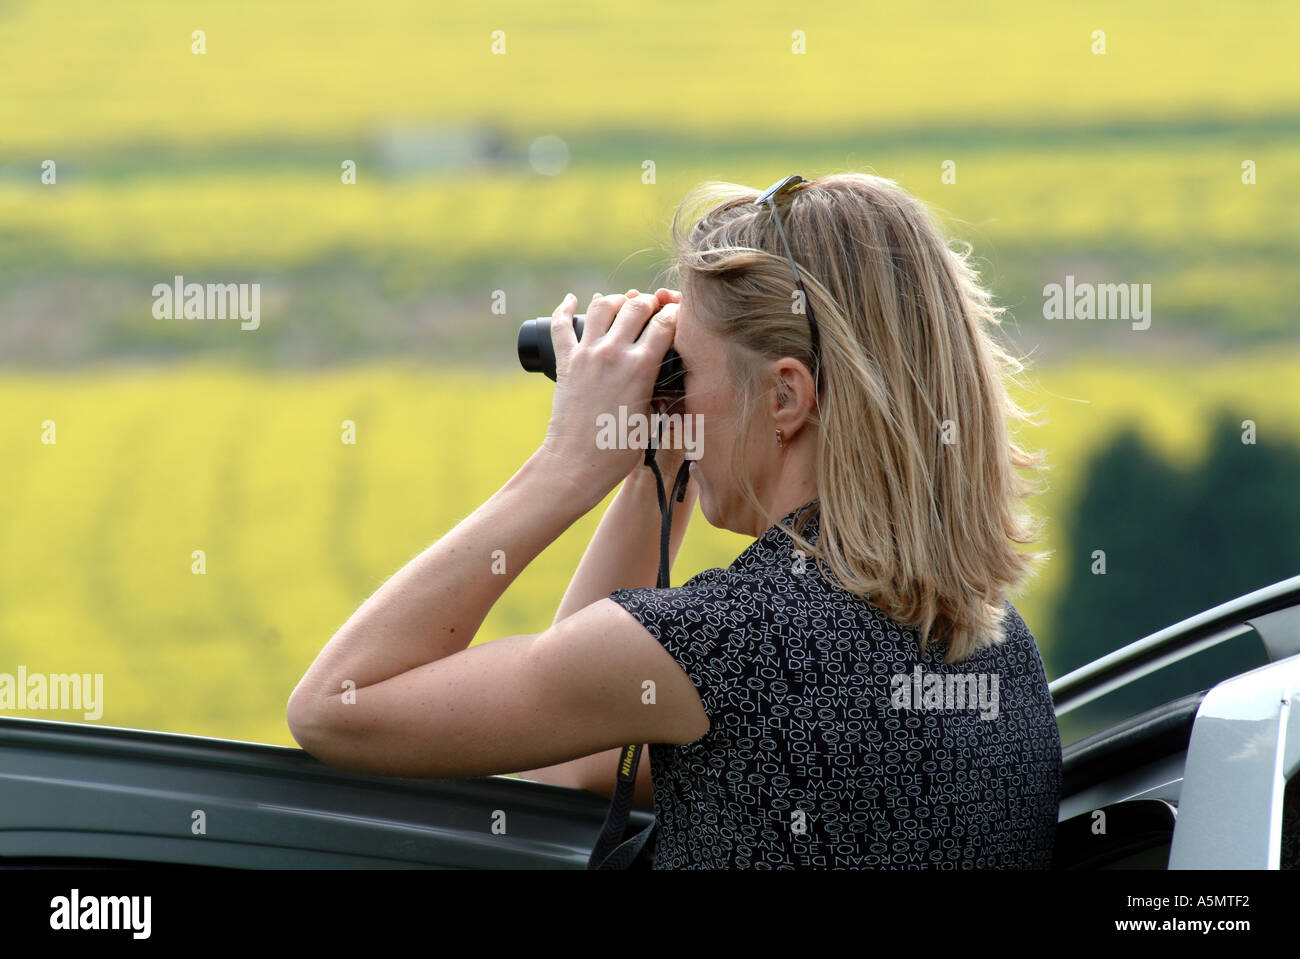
625, 768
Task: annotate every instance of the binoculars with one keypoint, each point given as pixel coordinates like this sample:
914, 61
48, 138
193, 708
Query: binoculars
537, 355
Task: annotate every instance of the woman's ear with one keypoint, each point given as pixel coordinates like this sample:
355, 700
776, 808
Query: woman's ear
792, 382
793, 398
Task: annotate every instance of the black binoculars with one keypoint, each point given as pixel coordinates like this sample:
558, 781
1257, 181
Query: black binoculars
537, 355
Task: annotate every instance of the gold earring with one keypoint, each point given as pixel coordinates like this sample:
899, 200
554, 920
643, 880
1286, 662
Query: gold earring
780, 438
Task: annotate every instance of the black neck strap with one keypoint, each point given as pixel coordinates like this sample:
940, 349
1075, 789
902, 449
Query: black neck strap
610, 851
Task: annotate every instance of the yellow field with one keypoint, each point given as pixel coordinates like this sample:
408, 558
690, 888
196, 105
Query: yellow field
325, 69
1159, 198
99, 528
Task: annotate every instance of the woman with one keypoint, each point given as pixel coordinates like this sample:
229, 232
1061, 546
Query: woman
855, 690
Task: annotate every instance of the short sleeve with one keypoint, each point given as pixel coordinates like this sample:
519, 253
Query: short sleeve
702, 626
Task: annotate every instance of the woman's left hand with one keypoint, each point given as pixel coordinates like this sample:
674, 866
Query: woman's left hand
614, 364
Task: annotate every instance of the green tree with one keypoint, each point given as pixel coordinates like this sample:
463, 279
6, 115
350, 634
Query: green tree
1175, 544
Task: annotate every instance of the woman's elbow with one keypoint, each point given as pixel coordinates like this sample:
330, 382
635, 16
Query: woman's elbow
304, 718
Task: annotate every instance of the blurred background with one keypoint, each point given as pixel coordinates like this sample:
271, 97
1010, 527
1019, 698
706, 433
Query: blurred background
407, 182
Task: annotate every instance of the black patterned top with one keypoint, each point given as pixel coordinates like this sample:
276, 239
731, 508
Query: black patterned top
833, 743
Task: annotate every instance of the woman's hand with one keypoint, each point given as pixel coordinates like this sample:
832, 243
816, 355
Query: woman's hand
615, 364
672, 454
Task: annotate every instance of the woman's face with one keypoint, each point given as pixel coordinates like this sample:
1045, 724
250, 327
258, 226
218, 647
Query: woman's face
712, 395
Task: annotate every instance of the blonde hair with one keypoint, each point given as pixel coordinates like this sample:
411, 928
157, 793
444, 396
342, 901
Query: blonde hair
918, 524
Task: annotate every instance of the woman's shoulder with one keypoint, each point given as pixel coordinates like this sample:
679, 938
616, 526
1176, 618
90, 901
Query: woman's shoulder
1013, 653
713, 595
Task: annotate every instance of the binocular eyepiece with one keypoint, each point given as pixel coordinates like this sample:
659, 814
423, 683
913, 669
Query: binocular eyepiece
537, 355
